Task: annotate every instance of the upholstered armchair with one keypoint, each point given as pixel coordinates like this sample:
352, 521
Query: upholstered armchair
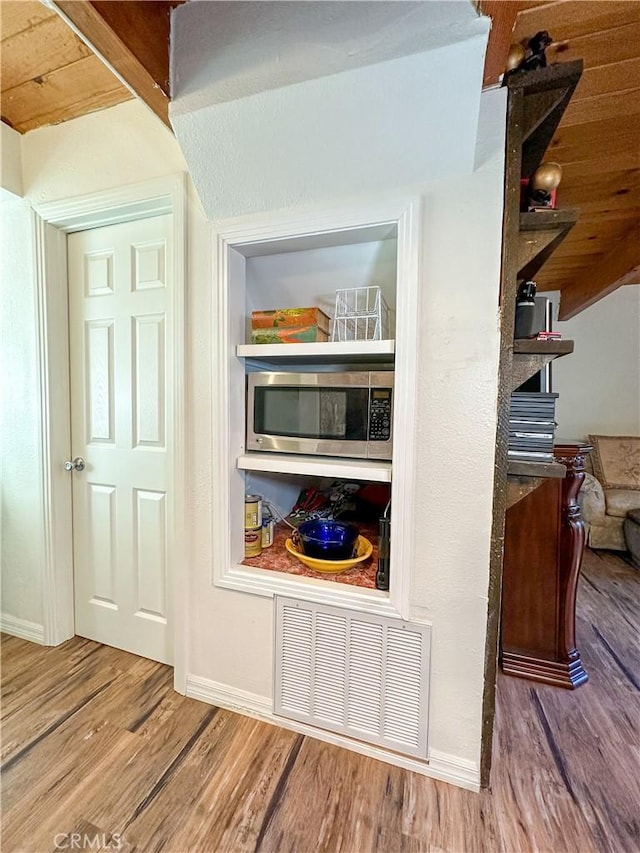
611, 490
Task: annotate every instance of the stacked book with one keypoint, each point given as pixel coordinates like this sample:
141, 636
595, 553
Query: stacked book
532, 426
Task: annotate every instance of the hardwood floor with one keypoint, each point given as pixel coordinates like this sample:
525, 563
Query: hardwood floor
98, 752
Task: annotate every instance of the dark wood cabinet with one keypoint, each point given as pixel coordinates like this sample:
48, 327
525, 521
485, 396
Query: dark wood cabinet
544, 543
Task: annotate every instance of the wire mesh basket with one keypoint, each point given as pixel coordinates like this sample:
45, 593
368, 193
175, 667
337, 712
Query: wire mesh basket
361, 314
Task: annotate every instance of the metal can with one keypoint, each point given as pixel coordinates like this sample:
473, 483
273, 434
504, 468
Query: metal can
253, 541
252, 512
268, 527
252, 525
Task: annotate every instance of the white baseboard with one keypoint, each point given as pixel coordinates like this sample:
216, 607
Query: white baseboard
231, 698
447, 768
452, 768
21, 628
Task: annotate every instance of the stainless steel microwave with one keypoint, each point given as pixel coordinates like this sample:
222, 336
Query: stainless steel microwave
333, 414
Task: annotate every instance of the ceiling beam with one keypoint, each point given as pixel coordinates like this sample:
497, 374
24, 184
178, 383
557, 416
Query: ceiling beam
503, 15
145, 28
621, 266
132, 39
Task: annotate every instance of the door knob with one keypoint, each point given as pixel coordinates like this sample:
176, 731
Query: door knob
76, 464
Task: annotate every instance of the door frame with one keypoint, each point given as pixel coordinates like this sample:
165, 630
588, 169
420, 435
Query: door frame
53, 221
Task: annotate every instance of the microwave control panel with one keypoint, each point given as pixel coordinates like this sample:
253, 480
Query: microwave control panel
380, 414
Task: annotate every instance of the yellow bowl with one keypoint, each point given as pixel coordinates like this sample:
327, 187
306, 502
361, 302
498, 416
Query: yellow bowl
364, 549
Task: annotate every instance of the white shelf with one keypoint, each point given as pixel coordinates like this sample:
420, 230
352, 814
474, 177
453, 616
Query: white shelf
329, 466
342, 351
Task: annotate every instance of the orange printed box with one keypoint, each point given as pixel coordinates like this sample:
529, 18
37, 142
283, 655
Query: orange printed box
281, 318
289, 335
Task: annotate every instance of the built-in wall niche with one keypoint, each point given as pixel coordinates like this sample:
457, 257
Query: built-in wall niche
310, 277
307, 271
281, 493
270, 262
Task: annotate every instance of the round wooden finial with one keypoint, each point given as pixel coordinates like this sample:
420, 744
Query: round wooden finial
515, 56
546, 177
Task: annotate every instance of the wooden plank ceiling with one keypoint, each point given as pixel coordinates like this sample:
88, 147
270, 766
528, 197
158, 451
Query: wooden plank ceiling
597, 142
49, 75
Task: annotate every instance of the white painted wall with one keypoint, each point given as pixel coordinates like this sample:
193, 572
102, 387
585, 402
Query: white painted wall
123, 145
351, 157
230, 633
457, 364
224, 51
10, 160
599, 384
21, 520
366, 130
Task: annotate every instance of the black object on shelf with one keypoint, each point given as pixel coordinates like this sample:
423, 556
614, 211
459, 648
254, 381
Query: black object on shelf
384, 547
530, 59
526, 310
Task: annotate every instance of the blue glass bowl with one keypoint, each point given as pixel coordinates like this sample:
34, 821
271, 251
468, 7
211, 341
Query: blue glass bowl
328, 540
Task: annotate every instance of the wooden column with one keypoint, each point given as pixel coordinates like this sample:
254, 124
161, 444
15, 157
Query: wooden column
544, 543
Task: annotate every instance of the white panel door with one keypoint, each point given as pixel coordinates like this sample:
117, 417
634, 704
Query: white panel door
119, 293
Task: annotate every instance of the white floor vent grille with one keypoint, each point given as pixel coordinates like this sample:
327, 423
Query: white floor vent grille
363, 676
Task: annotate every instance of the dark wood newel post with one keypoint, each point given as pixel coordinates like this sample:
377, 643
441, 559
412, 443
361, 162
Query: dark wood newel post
572, 540
544, 543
